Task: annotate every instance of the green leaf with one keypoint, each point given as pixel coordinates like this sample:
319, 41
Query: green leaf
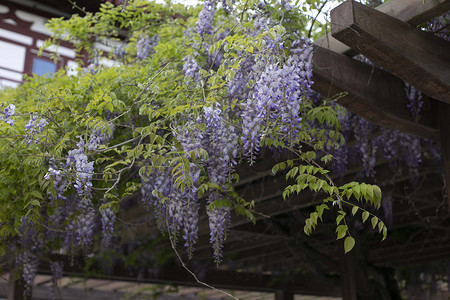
349, 243
320, 209
341, 231
35, 202
380, 226
280, 29
356, 191
348, 193
374, 222
377, 195
37, 194
354, 210
365, 215
339, 219
272, 34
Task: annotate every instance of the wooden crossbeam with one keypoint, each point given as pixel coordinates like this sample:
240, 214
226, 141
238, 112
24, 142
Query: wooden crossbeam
414, 12
412, 253
371, 93
223, 279
418, 57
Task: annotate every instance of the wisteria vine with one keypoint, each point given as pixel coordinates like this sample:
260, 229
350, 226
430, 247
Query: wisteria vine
172, 130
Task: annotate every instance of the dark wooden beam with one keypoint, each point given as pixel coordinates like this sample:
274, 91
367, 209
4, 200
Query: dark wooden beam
417, 57
411, 253
414, 12
223, 279
371, 93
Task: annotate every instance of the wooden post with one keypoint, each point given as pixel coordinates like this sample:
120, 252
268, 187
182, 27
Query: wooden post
16, 288
354, 281
348, 277
444, 124
284, 295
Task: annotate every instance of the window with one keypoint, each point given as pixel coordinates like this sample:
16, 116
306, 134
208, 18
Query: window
42, 67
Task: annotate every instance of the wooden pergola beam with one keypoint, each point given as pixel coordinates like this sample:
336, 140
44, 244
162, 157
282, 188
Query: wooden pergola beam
412, 253
418, 57
223, 279
414, 12
371, 93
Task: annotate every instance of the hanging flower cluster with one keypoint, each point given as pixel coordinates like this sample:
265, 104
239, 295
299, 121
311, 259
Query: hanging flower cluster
145, 46
206, 17
191, 69
57, 273
27, 258
8, 112
277, 97
439, 26
35, 125
414, 100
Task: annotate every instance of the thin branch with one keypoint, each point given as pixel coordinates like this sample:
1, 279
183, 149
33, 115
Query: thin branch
315, 18
75, 5
192, 273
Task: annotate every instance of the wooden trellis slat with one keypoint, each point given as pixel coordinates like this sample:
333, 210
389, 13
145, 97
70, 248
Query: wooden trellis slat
370, 92
418, 57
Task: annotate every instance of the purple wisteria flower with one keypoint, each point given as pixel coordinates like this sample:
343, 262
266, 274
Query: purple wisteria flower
56, 174
93, 63
219, 224
174, 209
221, 142
35, 125
191, 69
414, 100
206, 17
387, 208
439, 26
10, 110
6, 115
145, 46
389, 141
227, 5
27, 257
57, 273
84, 169
119, 52
108, 218
80, 230
277, 97
412, 155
